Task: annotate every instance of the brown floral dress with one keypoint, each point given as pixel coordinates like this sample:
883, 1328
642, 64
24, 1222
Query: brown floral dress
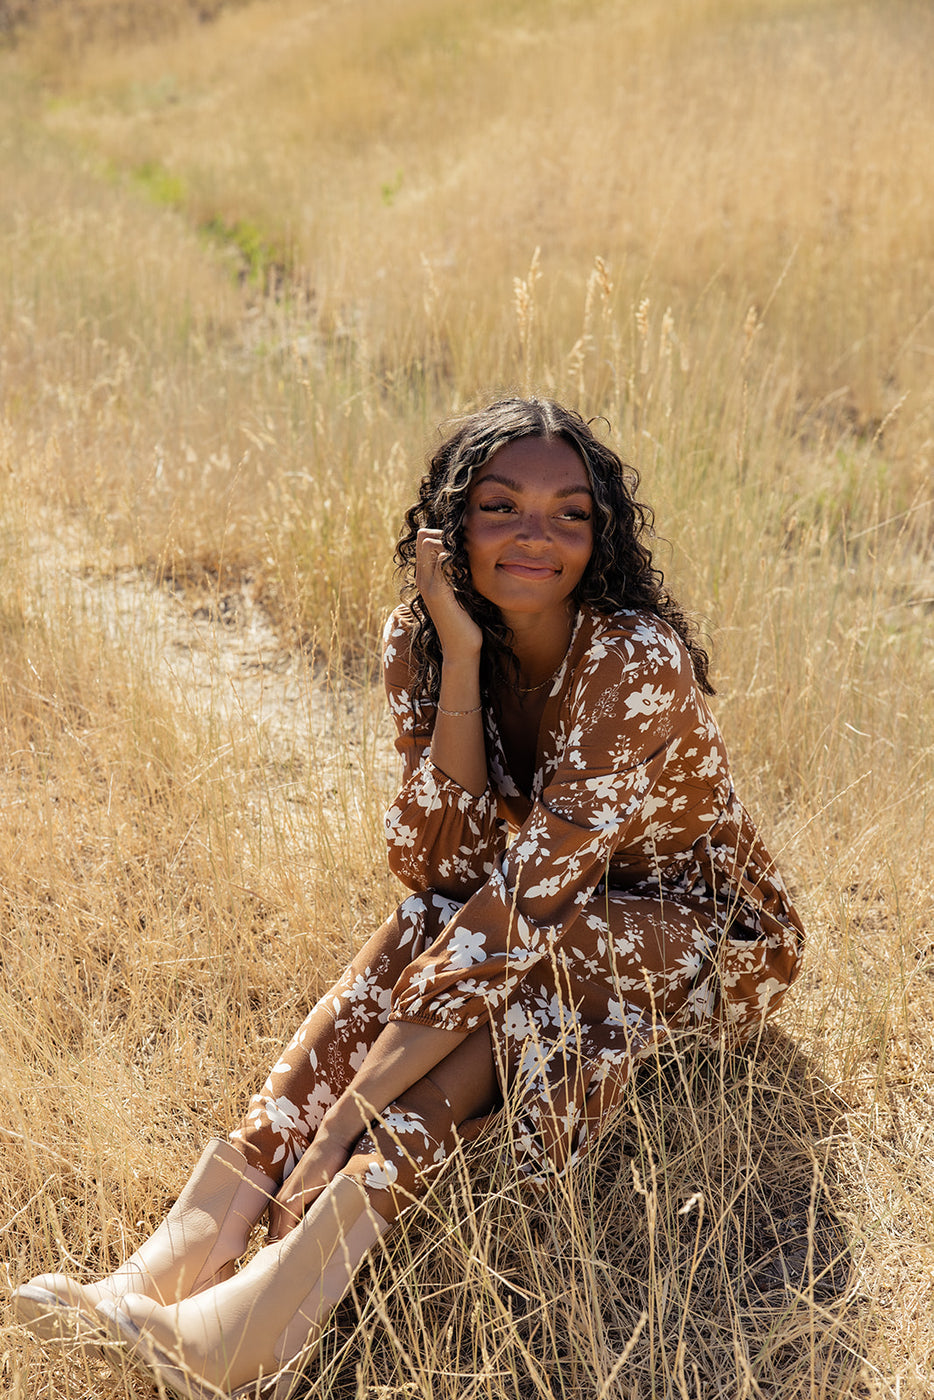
625, 900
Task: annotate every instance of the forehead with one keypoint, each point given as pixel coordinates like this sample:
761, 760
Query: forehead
535, 463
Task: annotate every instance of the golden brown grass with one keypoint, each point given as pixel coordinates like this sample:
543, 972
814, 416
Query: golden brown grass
246, 270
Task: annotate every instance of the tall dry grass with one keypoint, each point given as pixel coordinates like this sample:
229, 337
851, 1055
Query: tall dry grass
246, 271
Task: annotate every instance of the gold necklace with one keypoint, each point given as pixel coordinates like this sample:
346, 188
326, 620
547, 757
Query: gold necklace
530, 689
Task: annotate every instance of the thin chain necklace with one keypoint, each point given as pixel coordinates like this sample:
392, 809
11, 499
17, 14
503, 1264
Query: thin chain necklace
530, 689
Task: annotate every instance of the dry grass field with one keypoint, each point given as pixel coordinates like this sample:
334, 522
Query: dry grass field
248, 262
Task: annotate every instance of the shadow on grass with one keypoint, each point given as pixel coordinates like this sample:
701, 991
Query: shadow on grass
698, 1252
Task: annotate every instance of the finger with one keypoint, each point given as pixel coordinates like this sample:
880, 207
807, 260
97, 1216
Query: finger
429, 555
297, 1187
430, 539
286, 1211
278, 1225
283, 1219
431, 569
432, 552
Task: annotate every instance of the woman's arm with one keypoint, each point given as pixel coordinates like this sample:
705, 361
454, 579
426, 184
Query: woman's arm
457, 746
637, 765
403, 1054
397, 1059
443, 830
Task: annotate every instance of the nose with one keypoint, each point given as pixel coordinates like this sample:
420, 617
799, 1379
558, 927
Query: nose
532, 527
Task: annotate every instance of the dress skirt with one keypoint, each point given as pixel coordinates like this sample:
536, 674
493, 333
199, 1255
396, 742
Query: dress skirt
636, 968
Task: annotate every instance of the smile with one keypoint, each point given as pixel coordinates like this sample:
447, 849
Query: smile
527, 570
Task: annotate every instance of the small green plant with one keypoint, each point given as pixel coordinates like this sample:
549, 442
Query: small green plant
160, 184
389, 189
259, 256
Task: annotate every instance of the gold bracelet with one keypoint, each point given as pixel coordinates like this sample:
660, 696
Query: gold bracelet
455, 714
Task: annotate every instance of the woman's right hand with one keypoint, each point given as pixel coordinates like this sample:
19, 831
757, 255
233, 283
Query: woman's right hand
322, 1160
457, 632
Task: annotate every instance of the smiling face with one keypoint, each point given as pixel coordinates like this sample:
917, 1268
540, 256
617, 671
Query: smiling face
528, 531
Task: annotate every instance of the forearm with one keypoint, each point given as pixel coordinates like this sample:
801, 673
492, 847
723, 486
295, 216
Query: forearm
402, 1054
457, 745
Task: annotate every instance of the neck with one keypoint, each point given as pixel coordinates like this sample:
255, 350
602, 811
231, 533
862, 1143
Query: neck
540, 643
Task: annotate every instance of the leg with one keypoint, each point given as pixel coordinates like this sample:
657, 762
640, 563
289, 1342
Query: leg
205, 1232
251, 1327
206, 1229
402, 1153
274, 1309
330, 1046
641, 966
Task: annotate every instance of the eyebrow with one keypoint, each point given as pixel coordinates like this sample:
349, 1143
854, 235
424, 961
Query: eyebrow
518, 487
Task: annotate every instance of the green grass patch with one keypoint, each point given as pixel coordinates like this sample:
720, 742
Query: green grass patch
161, 185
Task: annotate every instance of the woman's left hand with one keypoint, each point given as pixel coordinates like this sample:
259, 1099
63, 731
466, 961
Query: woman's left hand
457, 632
321, 1162
397, 1059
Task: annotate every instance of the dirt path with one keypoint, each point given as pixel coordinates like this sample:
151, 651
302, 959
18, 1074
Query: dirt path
218, 660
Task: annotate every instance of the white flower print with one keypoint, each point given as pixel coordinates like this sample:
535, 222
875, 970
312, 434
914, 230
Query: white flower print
553, 1014
283, 1115
709, 766
284, 1122
517, 1022
654, 802
688, 964
360, 988
768, 988
546, 888
316, 1105
650, 700
397, 832
466, 948
604, 786
605, 818
379, 1176
400, 1123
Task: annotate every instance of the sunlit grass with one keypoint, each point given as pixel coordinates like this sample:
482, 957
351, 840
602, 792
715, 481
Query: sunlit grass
246, 270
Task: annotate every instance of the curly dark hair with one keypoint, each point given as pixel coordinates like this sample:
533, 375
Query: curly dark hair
620, 573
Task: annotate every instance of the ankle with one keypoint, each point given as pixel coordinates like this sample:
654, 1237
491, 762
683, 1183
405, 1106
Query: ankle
249, 1204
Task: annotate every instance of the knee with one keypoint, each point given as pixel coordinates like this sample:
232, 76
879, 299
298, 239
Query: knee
400, 1155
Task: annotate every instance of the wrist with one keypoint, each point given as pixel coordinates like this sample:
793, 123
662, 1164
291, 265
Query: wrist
461, 662
460, 678
343, 1123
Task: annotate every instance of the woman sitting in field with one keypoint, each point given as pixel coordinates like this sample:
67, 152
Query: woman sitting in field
585, 885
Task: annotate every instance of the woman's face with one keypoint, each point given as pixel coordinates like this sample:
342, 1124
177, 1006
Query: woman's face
528, 528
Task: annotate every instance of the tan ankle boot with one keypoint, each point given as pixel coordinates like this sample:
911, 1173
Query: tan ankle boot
261, 1324
204, 1232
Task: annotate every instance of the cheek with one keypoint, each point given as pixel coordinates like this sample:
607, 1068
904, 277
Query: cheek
477, 542
585, 554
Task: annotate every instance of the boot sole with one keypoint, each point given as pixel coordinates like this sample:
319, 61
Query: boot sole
51, 1319
151, 1360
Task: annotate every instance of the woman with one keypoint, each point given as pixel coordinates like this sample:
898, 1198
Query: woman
585, 885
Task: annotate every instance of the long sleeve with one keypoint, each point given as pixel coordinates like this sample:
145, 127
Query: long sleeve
439, 836
636, 768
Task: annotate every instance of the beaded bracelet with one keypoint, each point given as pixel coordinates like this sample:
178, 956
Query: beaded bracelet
453, 714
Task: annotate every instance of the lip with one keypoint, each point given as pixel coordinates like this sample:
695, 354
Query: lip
524, 568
